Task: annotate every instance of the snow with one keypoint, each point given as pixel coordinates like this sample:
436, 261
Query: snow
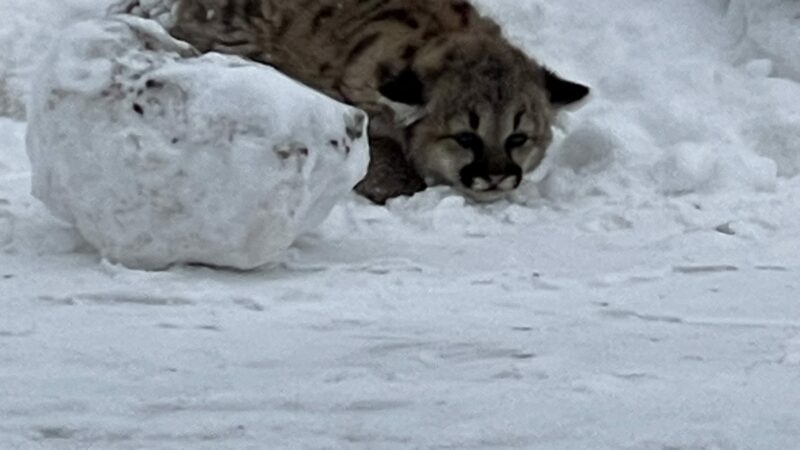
27, 27
159, 158
161, 11
639, 292
768, 29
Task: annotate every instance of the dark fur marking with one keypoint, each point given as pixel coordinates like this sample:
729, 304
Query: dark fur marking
229, 13
200, 14
474, 120
410, 52
397, 15
234, 43
283, 28
405, 87
253, 8
323, 14
384, 72
518, 119
464, 10
362, 45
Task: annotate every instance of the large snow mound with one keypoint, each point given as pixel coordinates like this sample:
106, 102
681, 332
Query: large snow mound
161, 157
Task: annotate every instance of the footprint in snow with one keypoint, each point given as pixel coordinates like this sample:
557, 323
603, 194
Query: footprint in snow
6, 225
122, 298
705, 270
54, 433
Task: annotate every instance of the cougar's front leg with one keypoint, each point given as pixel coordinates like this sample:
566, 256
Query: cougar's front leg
389, 174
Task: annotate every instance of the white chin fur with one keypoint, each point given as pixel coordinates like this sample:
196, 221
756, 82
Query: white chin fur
485, 196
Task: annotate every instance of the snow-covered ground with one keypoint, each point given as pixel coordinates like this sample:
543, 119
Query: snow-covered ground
641, 292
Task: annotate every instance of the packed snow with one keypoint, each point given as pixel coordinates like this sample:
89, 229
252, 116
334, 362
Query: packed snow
640, 291
160, 157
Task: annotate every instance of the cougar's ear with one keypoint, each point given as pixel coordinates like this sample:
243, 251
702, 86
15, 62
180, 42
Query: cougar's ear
563, 92
405, 87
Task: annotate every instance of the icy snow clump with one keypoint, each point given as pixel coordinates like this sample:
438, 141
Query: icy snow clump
159, 156
26, 28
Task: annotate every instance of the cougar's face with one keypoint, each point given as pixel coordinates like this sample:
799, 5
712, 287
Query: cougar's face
488, 111
482, 150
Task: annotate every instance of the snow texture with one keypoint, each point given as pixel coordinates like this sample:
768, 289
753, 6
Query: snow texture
769, 34
27, 28
159, 157
639, 293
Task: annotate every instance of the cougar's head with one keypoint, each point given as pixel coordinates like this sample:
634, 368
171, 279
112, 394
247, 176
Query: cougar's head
487, 113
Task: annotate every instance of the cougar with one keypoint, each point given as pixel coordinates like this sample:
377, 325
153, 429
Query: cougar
450, 99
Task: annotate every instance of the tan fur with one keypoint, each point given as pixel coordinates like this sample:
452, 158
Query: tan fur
365, 52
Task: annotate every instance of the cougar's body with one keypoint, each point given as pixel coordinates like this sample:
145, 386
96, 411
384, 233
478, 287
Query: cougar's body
451, 101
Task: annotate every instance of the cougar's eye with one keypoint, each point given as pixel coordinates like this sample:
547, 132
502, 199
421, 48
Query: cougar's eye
468, 140
516, 140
